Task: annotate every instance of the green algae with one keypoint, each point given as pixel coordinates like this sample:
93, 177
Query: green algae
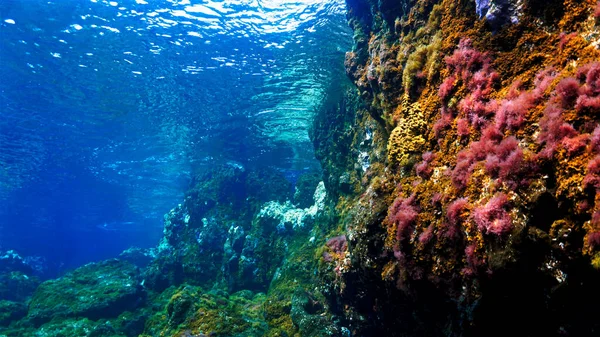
101, 290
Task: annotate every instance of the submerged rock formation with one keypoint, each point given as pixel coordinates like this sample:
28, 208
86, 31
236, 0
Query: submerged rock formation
483, 214
94, 291
459, 197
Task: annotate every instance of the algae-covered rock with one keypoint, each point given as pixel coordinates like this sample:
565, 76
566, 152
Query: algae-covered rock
251, 260
138, 256
191, 311
18, 276
11, 311
309, 314
96, 290
484, 210
221, 198
191, 250
305, 189
11, 261
17, 286
81, 327
268, 184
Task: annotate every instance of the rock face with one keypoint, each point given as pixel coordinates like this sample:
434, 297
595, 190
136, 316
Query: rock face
18, 276
499, 12
483, 207
97, 290
460, 197
220, 203
11, 311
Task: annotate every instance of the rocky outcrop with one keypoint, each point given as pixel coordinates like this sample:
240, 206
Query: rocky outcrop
483, 208
97, 290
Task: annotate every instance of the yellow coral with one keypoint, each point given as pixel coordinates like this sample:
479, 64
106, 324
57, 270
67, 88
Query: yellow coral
425, 59
407, 138
596, 261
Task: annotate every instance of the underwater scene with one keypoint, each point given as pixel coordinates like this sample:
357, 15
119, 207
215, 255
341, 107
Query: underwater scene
299, 168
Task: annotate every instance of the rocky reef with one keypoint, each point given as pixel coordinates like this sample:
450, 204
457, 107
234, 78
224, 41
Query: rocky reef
459, 196
237, 259
482, 216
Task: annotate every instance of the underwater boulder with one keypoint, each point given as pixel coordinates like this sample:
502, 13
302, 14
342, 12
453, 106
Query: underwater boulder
11, 261
11, 311
96, 290
499, 12
220, 185
251, 260
268, 184
309, 313
191, 250
17, 286
76, 327
138, 256
305, 189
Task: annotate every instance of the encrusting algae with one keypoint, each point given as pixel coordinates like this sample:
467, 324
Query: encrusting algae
460, 196
492, 147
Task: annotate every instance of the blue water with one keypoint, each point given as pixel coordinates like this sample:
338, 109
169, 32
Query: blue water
108, 107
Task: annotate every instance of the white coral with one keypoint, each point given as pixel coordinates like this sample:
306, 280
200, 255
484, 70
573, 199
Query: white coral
287, 214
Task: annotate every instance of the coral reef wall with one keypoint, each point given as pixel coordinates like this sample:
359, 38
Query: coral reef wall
477, 212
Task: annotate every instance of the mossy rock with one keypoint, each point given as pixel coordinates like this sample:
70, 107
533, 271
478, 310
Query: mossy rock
305, 189
96, 290
17, 286
192, 311
11, 311
75, 327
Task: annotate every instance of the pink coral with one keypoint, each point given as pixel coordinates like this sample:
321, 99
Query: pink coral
423, 169
594, 240
428, 156
462, 171
592, 81
472, 261
478, 108
553, 130
493, 217
337, 245
426, 236
476, 152
436, 199
585, 102
568, 91
564, 39
543, 80
475, 71
512, 111
454, 214
456, 209
576, 144
515, 89
403, 213
446, 87
582, 72
597, 11
592, 177
589, 98
506, 159
595, 140
465, 60
444, 121
511, 114
462, 127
